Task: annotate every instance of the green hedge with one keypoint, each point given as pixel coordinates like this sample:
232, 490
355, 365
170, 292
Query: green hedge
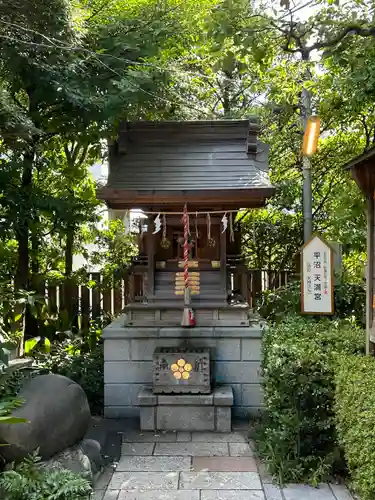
85, 368
298, 437
350, 301
355, 420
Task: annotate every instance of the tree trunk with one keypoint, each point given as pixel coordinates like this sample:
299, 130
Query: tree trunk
31, 321
21, 279
68, 302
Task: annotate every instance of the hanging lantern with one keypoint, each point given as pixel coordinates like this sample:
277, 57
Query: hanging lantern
311, 136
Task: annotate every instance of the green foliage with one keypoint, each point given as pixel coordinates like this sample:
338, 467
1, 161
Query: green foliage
298, 437
65, 83
85, 368
355, 420
77, 355
30, 481
113, 252
12, 306
350, 302
8, 402
271, 238
6, 408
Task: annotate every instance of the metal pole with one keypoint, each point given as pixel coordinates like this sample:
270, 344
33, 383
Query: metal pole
306, 169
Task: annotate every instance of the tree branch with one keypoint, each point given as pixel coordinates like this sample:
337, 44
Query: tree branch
332, 184
98, 10
352, 29
67, 154
83, 156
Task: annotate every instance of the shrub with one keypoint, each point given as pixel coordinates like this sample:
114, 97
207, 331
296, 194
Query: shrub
29, 481
350, 301
355, 420
8, 402
298, 437
85, 368
77, 355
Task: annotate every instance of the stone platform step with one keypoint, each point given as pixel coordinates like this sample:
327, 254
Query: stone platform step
187, 412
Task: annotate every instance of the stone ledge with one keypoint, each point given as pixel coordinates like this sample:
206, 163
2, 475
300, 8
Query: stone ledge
223, 396
220, 396
185, 399
118, 331
121, 412
189, 412
146, 397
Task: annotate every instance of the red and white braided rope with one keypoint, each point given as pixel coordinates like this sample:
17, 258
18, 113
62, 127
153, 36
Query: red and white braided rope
186, 247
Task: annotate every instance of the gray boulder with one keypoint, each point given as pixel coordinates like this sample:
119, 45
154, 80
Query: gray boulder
58, 414
83, 458
92, 450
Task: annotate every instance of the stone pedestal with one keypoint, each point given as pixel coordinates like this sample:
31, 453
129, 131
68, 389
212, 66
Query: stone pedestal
235, 354
188, 412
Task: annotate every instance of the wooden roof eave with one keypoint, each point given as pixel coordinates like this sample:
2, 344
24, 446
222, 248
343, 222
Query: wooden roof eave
364, 176
362, 169
230, 199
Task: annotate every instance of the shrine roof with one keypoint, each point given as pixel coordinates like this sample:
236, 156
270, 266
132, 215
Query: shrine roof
187, 157
363, 170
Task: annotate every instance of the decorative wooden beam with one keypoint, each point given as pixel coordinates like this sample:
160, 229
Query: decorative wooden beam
239, 198
122, 137
252, 136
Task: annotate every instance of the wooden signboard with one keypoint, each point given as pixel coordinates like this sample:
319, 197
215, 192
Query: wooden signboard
317, 277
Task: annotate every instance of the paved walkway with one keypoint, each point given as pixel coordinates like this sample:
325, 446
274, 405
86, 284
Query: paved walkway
197, 466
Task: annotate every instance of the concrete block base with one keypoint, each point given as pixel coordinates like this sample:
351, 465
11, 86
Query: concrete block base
189, 412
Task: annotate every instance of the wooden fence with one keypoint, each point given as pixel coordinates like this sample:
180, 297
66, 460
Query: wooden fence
90, 303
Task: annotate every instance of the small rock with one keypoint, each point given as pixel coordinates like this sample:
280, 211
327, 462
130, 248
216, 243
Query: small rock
83, 458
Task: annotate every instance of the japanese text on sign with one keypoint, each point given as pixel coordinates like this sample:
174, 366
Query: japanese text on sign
317, 286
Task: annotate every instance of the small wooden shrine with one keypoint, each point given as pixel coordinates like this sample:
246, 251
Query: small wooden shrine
363, 171
189, 179
213, 169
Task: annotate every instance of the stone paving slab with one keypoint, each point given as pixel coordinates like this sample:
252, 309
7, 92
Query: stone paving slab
183, 437
149, 437
144, 481
224, 464
105, 477
341, 492
97, 495
232, 495
240, 425
218, 437
136, 449
158, 466
240, 450
272, 492
220, 481
192, 449
304, 492
154, 464
159, 495
111, 495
